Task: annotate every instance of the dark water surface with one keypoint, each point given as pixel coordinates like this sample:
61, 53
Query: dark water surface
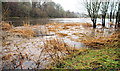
20, 22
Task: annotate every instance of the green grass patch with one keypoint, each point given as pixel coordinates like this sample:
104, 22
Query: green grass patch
107, 58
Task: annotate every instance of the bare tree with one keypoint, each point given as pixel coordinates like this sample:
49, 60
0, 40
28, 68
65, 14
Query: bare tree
104, 9
119, 15
93, 9
113, 7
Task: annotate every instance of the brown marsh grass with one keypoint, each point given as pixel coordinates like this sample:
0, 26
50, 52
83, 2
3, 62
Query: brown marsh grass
62, 34
51, 29
6, 26
67, 26
55, 48
28, 32
72, 24
78, 34
101, 41
86, 25
78, 24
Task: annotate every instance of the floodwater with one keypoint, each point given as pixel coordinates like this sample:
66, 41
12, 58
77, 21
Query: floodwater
75, 20
57, 20
34, 46
79, 20
71, 20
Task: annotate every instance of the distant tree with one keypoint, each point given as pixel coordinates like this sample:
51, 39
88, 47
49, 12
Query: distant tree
40, 9
34, 4
104, 9
58, 7
5, 10
93, 9
24, 9
60, 11
16, 9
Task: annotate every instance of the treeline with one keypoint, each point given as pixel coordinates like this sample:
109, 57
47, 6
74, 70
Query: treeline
34, 10
109, 9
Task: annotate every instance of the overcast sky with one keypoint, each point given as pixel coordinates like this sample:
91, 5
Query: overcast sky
76, 5
72, 5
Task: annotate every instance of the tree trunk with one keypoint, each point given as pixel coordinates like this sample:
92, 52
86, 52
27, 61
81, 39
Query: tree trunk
94, 23
113, 16
119, 15
116, 23
110, 16
103, 20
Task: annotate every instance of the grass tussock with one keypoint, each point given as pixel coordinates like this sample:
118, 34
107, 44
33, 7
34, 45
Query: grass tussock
6, 26
71, 24
86, 25
66, 27
55, 46
62, 34
94, 43
28, 32
101, 41
78, 34
52, 29
56, 49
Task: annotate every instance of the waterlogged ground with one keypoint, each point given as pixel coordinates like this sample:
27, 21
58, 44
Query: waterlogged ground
79, 32
23, 52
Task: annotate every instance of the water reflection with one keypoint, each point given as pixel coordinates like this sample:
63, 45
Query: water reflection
19, 22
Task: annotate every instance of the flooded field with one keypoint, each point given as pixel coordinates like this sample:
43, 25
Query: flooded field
46, 43
56, 34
